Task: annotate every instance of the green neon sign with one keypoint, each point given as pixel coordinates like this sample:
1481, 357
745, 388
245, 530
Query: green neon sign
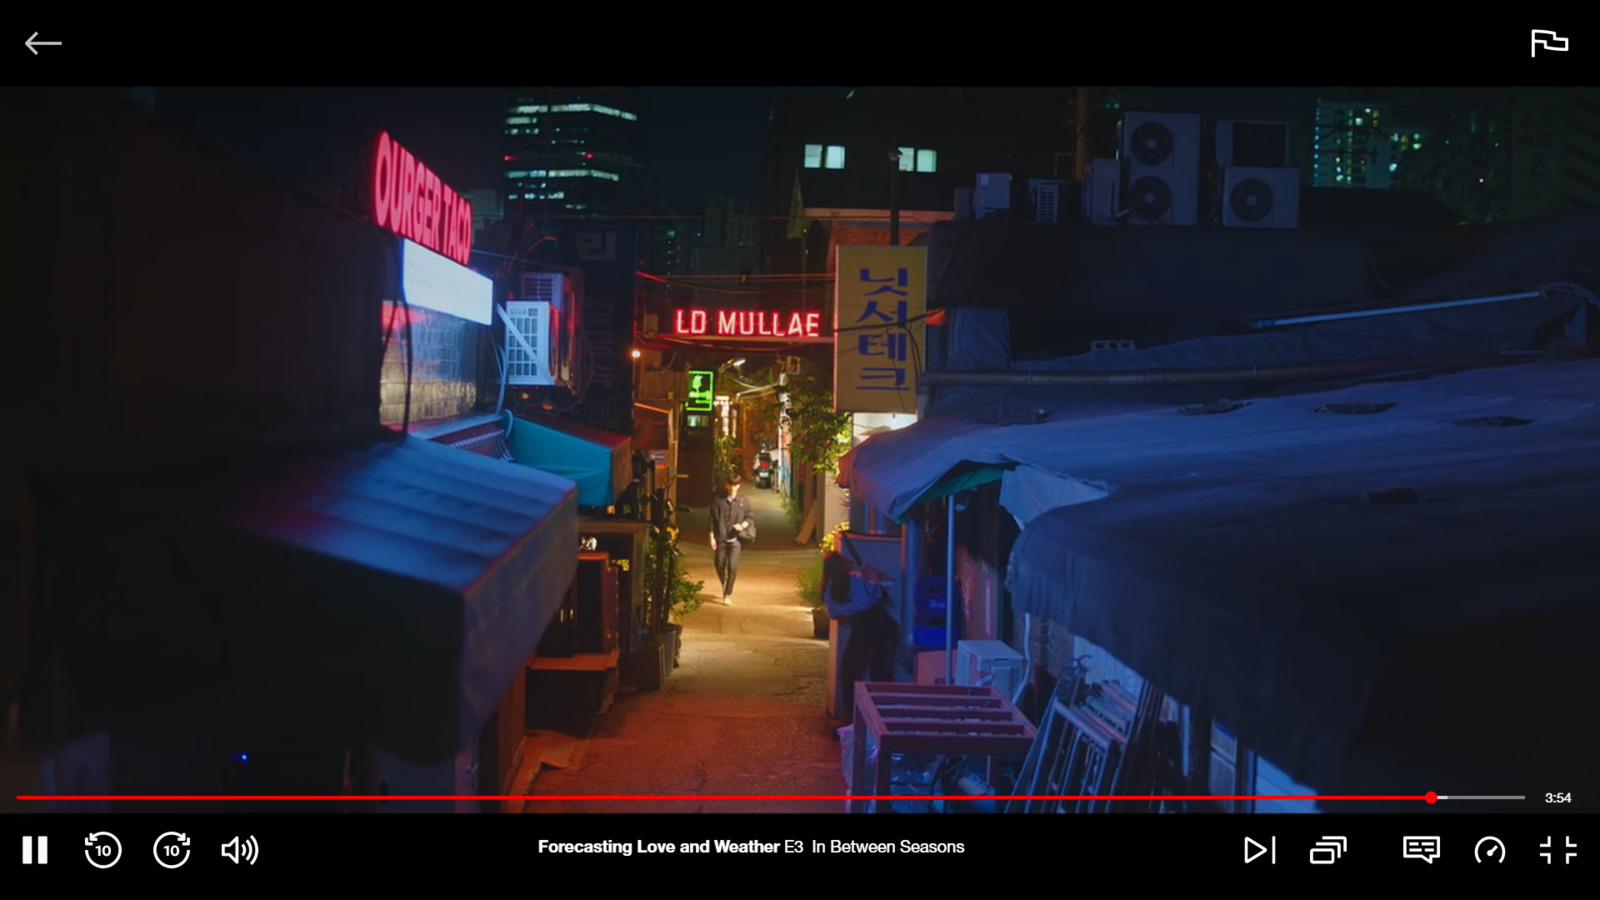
702, 391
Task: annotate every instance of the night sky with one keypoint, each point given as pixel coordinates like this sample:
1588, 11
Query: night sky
701, 140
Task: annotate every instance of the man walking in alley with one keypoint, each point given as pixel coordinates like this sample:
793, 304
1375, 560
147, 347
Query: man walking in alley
732, 525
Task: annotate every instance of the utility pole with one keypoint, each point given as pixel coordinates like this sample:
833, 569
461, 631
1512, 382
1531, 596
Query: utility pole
894, 198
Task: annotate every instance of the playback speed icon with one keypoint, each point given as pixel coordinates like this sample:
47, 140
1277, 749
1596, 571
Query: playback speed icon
242, 850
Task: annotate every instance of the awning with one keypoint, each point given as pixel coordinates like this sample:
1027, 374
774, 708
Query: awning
599, 461
1354, 593
483, 435
963, 477
389, 595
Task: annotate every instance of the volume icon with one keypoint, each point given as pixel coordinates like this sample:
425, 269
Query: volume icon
241, 850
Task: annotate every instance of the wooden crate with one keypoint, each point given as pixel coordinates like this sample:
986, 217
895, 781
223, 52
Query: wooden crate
929, 720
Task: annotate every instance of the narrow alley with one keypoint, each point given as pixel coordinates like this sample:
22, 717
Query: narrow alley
742, 716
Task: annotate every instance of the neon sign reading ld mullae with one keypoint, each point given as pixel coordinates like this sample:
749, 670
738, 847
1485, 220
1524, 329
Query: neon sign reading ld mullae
745, 323
411, 201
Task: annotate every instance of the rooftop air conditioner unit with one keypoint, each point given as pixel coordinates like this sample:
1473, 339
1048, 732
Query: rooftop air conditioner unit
1045, 194
1102, 192
1162, 153
548, 287
1263, 145
562, 291
1260, 197
989, 663
992, 194
528, 345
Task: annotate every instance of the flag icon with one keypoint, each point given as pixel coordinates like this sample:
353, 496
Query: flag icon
1548, 40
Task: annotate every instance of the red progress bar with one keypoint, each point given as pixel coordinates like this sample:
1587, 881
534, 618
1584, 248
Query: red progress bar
1429, 797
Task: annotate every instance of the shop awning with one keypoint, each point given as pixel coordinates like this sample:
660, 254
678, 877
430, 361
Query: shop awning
599, 461
387, 595
483, 435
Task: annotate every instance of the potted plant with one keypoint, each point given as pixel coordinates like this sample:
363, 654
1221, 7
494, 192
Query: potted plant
809, 583
672, 595
683, 597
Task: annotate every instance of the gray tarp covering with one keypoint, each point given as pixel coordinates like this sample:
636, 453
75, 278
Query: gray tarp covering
893, 471
1232, 560
1236, 565
389, 595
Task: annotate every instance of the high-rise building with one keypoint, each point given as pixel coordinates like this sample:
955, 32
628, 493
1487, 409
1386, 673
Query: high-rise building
571, 151
1358, 145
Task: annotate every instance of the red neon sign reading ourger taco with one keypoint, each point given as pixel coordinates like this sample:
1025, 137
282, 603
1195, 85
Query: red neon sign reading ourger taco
411, 201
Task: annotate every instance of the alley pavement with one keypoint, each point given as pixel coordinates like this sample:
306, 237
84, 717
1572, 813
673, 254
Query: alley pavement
743, 715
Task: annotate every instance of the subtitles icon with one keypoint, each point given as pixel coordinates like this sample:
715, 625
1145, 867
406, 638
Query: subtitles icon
1327, 851
1423, 848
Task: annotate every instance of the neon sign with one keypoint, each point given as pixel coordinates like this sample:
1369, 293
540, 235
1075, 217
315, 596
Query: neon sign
411, 201
702, 392
743, 323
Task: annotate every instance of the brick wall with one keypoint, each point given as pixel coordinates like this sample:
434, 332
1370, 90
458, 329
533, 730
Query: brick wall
444, 381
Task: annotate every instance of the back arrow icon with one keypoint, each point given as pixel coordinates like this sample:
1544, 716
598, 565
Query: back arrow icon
33, 44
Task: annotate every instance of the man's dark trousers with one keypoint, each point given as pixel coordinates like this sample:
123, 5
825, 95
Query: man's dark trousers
728, 564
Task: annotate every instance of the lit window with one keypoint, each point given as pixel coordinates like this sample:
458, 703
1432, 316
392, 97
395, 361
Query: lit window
813, 156
516, 174
908, 159
531, 109
595, 108
833, 158
1394, 167
927, 160
1358, 120
519, 120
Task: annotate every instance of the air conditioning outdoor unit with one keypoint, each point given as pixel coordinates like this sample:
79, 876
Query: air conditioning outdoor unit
992, 194
991, 663
1045, 194
1102, 192
1262, 145
1162, 154
1260, 197
528, 347
548, 287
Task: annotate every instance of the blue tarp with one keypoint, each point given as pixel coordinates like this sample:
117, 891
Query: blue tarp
598, 461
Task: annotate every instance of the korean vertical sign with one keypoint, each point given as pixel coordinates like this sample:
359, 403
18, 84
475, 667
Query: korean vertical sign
880, 301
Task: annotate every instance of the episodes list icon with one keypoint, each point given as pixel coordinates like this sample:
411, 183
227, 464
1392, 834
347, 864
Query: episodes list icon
242, 850
1327, 851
